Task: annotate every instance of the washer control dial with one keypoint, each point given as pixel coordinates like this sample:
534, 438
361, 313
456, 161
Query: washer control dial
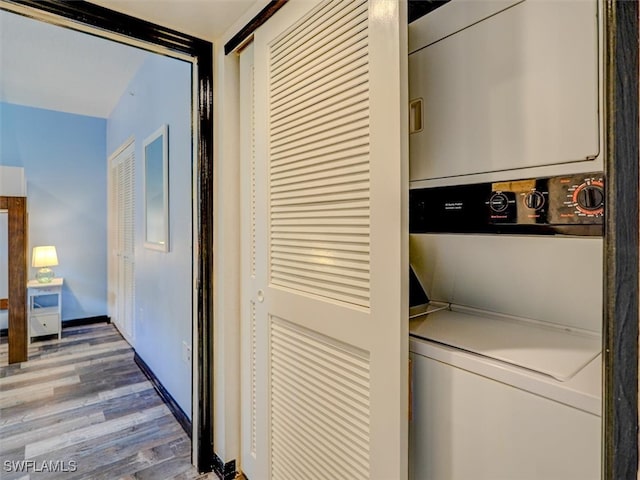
534, 200
589, 198
498, 202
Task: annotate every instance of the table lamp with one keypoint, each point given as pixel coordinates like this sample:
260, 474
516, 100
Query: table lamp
43, 258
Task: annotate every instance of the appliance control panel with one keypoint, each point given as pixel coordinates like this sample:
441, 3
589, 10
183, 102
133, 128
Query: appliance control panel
568, 204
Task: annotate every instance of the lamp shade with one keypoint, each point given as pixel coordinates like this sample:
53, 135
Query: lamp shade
44, 257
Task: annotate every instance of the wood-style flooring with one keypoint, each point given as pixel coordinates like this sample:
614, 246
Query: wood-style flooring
80, 408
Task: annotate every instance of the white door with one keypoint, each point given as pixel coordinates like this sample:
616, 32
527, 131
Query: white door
325, 263
121, 239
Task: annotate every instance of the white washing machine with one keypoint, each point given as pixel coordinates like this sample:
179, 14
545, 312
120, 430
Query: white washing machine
486, 403
514, 395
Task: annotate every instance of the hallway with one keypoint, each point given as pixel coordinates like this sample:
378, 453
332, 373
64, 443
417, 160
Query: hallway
81, 408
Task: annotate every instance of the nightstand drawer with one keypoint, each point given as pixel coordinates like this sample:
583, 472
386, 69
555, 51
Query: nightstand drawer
52, 290
44, 324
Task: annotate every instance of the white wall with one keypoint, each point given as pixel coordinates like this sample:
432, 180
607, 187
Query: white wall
226, 366
12, 183
226, 261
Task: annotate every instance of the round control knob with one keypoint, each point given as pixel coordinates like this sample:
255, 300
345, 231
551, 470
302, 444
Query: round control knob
498, 202
589, 198
534, 200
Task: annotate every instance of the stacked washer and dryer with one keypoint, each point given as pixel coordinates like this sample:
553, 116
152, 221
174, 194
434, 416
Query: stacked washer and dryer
506, 225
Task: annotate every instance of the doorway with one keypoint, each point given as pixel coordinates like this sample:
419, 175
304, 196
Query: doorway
198, 53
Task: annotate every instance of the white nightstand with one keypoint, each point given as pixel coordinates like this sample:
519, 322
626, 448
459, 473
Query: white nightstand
44, 308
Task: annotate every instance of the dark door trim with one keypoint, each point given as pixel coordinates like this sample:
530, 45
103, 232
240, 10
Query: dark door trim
201, 51
245, 32
18, 330
620, 395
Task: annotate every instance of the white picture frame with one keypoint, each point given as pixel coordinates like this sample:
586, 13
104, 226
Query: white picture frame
156, 189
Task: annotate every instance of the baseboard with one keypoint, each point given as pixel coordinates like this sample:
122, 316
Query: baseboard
224, 471
4, 332
181, 417
86, 321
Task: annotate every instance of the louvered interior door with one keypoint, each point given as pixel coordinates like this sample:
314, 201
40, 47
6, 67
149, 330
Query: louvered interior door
121, 239
328, 298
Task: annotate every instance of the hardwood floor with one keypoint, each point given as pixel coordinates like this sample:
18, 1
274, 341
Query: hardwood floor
80, 408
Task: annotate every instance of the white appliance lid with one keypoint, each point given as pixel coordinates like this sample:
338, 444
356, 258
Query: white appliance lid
557, 352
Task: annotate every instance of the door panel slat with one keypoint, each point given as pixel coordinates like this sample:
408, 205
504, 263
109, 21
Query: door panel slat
318, 381
330, 109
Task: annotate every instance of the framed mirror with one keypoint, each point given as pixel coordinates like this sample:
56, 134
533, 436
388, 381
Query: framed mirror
156, 190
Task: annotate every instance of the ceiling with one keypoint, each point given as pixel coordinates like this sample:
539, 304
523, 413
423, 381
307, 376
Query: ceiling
206, 19
54, 68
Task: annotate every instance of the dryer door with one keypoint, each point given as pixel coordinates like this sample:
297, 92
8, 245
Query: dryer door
517, 89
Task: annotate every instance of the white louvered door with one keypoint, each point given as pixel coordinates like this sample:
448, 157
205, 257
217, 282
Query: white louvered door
121, 239
325, 307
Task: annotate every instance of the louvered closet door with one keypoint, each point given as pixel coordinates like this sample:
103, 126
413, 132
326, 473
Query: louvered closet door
328, 333
121, 239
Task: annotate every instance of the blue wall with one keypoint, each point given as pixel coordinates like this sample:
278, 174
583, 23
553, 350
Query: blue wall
160, 93
64, 160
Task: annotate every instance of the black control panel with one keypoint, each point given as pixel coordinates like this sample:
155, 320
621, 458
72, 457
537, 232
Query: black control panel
568, 205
